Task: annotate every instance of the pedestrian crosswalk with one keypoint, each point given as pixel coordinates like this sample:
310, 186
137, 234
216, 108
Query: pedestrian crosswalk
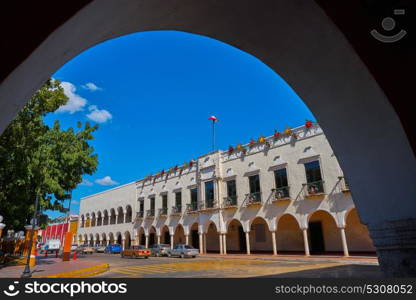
208, 268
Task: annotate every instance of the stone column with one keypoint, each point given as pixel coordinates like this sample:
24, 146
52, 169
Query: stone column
274, 242
201, 244
220, 238
147, 241
344, 241
123, 243
205, 243
248, 242
224, 236
305, 241
158, 239
171, 241
187, 239
395, 245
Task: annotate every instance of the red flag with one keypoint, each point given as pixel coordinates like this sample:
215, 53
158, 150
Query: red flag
213, 118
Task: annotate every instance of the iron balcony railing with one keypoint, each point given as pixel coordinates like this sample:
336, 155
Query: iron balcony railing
315, 187
163, 211
230, 201
281, 193
150, 213
177, 209
191, 207
208, 205
139, 214
253, 198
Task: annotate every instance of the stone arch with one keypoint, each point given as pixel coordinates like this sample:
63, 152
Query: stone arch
111, 239
99, 218
91, 240
235, 238
141, 236
152, 236
105, 217
260, 236
120, 215
194, 235
97, 239
127, 239
93, 219
289, 236
358, 237
112, 216
104, 239
323, 233
85, 239
179, 235
129, 214
165, 235
119, 238
212, 238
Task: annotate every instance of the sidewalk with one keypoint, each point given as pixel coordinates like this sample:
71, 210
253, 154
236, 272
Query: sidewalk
48, 266
362, 260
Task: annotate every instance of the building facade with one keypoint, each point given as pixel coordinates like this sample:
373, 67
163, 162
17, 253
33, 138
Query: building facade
280, 194
57, 230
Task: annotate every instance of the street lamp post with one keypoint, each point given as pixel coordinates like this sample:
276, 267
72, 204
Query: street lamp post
26, 272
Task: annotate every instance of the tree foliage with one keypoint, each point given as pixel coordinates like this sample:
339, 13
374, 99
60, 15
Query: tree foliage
36, 159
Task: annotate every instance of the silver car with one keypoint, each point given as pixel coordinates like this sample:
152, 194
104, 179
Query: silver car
182, 251
160, 250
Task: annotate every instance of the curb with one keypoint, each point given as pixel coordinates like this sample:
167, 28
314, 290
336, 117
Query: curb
80, 273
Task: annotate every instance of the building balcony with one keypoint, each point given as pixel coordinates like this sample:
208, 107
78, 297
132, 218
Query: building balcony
176, 210
208, 205
191, 208
150, 213
253, 199
163, 212
139, 215
230, 202
281, 194
314, 190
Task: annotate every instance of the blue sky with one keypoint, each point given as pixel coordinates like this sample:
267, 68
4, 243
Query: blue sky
152, 93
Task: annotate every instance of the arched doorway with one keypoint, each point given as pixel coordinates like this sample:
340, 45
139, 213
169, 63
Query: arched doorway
152, 236
112, 216
99, 219
119, 238
82, 221
260, 236
323, 233
127, 240
85, 240
289, 238
179, 236
129, 214
104, 239
212, 238
236, 237
165, 235
120, 215
111, 238
91, 240
93, 219
194, 236
105, 218
142, 237
358, 237
97, 239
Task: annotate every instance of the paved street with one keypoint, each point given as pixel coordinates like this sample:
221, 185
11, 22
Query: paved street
243, 266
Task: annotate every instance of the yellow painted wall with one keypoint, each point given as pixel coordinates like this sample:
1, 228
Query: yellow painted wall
288, 235
332, 236
358, 237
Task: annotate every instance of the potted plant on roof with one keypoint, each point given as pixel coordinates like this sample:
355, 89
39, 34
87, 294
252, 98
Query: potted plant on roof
308, 124
230, 149
252, 143
288, 131
262, 139
239, 147
276, 134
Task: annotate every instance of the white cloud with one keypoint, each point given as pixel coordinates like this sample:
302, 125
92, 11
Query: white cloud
98, 115
75, 202
106, 180
86, 182
91, 87
75, 102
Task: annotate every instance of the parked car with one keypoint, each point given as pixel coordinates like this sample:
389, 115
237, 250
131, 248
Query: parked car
100, 249
88, 250
51, 246
114, 248
160, 250
183, 251
136, 251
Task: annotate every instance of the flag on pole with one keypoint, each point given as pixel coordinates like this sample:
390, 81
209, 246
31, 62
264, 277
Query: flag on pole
213, 119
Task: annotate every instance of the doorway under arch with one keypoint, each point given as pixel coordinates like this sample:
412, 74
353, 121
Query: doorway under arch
179, 236
260, 236
323, 233
212, 238
236, 238
289, 238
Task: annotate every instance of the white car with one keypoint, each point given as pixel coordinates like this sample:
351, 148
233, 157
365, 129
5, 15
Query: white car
183, 251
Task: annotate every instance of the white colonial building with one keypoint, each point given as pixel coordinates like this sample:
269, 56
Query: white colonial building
280, 194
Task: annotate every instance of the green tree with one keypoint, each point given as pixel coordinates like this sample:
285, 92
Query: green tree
36, 159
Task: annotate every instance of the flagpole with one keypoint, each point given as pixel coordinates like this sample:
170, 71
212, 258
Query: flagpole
213, 135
